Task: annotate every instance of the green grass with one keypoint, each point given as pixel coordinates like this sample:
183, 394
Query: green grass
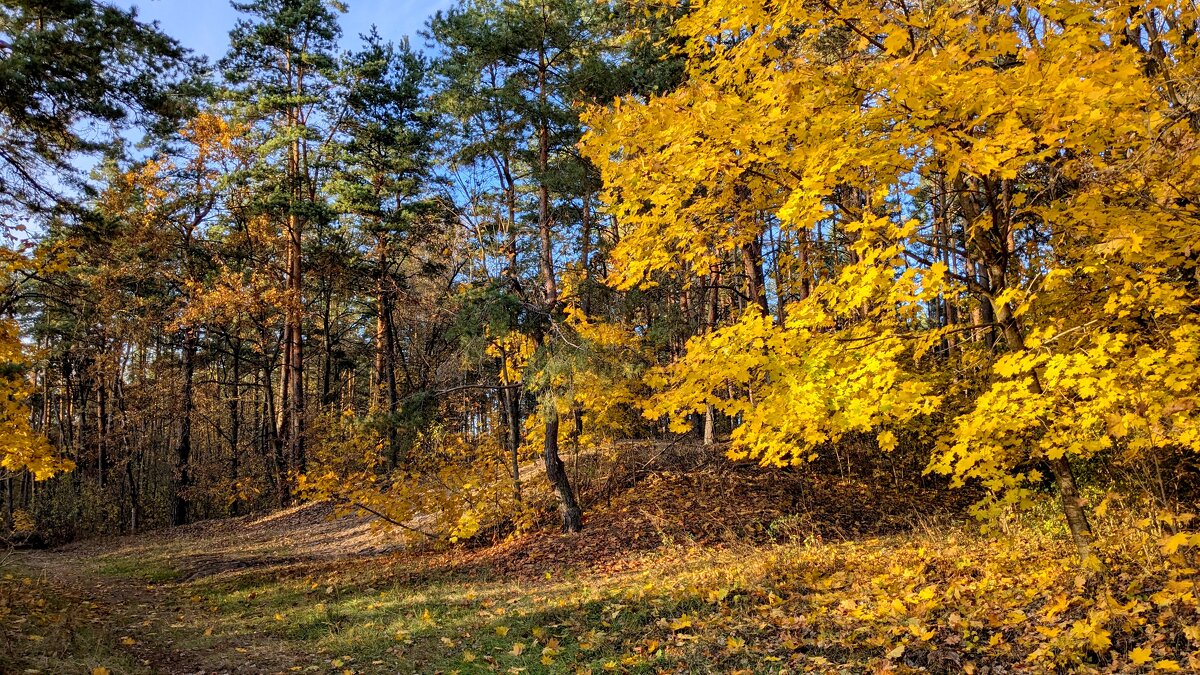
934, 599
155, 571
898, 602
43, 631
361, 620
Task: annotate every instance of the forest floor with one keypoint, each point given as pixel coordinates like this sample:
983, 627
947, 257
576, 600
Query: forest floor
713, 569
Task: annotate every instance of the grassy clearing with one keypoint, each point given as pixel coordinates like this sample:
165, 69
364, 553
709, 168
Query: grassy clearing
948, 601
853, 582
149, 570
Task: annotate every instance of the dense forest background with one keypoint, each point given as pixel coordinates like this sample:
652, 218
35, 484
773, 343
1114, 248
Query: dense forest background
326, 265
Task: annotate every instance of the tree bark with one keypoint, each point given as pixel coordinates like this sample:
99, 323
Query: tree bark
756, 287
710, 325
183, 453
235, 423
8, 502
385, 350
568, 509
512, 415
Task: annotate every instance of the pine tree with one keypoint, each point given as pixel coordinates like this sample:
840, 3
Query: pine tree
382, 187
282, 70
56, 77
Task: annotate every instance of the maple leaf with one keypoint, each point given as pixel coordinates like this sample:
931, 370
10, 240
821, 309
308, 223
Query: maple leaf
1139, 655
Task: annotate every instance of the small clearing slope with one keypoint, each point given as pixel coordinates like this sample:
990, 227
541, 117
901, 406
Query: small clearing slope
708, 567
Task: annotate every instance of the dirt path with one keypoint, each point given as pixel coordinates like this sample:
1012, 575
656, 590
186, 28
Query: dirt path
138, 587
137, 614
145, 590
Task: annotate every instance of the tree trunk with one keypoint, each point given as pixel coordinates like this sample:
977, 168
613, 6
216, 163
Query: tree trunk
102, 422
235, 424
756, 287
295, 347
327, 345
385, 350
710, 325
272, 438
183, 453
512, 416
8, 502
585, 254
135, 506
568, 509
1064, 477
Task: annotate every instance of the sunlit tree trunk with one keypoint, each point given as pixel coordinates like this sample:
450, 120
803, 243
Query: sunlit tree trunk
234, 405
572, 520
710, 325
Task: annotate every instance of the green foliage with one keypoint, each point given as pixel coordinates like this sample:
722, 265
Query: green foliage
57, 76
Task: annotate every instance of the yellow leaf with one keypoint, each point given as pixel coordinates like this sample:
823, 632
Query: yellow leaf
1172, 544
128, 641
682, 623
886, 440
1168, 665
101, 670
501, 630
1139, 655
895, 41
518, 648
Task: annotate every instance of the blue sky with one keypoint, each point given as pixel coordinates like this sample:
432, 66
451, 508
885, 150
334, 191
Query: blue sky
203, 25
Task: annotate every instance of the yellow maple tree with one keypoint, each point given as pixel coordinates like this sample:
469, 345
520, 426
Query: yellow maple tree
1000, 187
